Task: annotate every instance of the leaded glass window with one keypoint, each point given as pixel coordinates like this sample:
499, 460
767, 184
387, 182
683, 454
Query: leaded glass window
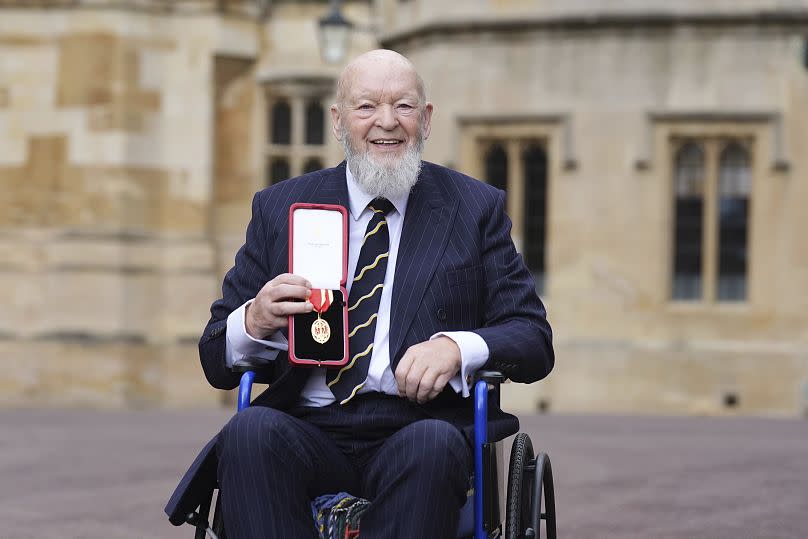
534, 161
278, 170
315, 123
312, 164
688, 222
281, 123
496, 167
734, 185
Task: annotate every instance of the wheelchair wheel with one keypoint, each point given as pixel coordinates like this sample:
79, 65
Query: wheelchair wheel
520, 486
528, 478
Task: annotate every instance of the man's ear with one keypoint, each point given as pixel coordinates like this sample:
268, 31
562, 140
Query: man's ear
336, 121
427, 119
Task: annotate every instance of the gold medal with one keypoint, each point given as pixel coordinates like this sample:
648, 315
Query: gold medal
321, 300
320, 330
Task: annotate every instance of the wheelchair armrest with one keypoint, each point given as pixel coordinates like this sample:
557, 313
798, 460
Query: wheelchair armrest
494, 379
265, 368
250, 374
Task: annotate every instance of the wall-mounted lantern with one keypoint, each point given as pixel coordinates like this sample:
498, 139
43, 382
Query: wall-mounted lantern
334, 34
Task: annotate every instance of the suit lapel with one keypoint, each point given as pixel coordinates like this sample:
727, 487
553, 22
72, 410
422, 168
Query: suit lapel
332, 188
427, 225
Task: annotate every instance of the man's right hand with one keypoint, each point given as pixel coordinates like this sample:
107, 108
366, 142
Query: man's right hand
284, 295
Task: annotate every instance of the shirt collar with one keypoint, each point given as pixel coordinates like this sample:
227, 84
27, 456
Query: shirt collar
359, 200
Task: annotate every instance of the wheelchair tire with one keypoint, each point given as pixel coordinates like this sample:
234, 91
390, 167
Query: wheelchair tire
543, 487
520, 488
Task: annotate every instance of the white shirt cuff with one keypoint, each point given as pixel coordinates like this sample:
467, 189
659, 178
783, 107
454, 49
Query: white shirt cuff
243, 349
473, 355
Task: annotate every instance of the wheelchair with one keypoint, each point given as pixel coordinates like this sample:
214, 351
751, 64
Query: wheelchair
530, 495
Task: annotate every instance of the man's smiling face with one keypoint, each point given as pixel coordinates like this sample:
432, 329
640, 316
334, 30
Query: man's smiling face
382, 110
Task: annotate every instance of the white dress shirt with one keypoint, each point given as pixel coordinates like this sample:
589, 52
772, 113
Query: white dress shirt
242, 349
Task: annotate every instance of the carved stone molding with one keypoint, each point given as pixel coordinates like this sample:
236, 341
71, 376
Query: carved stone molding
562, 120
298, 83
447, 26
772, 120
251, 9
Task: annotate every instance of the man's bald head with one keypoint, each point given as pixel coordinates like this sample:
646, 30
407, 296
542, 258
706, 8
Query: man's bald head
382, 119
373, 61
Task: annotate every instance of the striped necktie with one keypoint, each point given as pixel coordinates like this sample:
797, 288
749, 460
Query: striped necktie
363, 304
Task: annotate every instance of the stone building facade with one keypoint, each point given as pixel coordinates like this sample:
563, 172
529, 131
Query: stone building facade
653, 154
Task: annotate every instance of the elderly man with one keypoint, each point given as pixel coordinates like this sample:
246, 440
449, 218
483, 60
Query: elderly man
448, 294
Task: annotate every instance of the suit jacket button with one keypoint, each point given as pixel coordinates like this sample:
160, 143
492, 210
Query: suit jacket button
441, 314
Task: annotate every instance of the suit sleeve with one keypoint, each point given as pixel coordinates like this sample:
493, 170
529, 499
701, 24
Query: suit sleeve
241, 284
515, 325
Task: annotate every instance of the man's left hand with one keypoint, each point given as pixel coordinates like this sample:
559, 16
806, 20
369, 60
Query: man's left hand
426, 368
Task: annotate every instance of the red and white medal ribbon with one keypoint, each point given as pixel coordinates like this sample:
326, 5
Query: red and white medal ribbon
321, 300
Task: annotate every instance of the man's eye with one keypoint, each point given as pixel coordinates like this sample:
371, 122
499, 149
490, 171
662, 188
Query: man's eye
366, 107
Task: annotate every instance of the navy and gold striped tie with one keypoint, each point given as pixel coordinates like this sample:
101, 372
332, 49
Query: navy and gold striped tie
363, 304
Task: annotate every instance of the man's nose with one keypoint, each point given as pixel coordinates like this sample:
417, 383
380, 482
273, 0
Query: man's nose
386, 117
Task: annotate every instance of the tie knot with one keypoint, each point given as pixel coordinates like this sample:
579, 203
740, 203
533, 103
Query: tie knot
381, 205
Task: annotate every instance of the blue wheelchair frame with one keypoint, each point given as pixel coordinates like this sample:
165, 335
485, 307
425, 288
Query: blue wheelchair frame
528, 478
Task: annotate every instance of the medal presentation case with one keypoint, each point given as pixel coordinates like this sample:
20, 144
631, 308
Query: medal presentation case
318, 251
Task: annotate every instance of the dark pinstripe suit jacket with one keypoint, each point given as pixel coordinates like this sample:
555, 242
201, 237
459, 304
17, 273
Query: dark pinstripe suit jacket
457, 269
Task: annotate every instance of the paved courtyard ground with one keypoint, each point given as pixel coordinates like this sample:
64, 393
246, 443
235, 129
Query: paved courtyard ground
107, 475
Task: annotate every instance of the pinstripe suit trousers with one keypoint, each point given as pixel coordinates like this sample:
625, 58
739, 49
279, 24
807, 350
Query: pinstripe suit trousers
414, 469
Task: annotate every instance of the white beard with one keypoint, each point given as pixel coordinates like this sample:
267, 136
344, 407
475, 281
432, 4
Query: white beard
387, 178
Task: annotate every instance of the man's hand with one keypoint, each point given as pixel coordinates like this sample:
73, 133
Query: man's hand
284, 295
426, 368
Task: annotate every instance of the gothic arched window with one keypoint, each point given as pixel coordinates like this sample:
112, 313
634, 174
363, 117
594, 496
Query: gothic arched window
281, 123
534, 161
312, 164
734, 186
315, 123
278, 170
496, 167
689, 222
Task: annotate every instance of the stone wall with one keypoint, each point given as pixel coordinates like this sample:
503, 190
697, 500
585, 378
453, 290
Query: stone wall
106, 267
608, 101
133, 136
132, 139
